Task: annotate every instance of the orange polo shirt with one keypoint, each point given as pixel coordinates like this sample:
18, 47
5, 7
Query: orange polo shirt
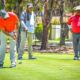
10, 22
1, 23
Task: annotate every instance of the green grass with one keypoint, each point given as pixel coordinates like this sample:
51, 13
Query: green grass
46, 67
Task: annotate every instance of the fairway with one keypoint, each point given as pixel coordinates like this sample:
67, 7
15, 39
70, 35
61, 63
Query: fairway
45, 67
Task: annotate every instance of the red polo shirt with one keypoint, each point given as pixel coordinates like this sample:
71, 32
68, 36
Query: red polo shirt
10, 22
74, 21
1, 23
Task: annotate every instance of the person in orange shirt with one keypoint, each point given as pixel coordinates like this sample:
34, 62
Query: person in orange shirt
9, 21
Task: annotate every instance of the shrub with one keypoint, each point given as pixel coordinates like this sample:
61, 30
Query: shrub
55, 21
38, 31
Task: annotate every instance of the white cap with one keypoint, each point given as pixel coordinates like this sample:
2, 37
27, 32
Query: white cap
3, 12
30, 5
77, 8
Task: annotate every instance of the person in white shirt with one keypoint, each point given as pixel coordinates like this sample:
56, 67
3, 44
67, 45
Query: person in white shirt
27, 27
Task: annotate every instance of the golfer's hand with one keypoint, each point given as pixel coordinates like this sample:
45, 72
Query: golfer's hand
15, 36
25, 29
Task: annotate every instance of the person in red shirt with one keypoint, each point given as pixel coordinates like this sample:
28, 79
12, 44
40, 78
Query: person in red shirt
74, 21
8, 27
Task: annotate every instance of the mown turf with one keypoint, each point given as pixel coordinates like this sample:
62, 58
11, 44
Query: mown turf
46, 67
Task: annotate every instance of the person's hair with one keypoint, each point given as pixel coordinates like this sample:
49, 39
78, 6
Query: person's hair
28, 18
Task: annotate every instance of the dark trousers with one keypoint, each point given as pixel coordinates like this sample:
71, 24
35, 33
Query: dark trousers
76, 44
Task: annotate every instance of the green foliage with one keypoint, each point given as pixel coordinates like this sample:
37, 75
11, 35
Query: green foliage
55, 21
38, 31
10, 4
0, 6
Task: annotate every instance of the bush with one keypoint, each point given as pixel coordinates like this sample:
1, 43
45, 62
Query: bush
38, 31
55, 21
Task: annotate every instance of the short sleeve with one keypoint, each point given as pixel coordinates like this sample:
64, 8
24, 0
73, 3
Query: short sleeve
14, 17
69, 21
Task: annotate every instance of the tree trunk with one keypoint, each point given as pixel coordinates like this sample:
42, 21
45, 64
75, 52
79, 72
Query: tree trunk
18, 11
44, 38
62, 36
46, 23
45, 27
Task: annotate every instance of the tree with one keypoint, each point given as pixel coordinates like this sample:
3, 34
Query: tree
2, 4
48, 5
62, 37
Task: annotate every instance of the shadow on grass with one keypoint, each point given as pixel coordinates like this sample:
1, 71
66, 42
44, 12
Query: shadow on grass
27, 59
4, 67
